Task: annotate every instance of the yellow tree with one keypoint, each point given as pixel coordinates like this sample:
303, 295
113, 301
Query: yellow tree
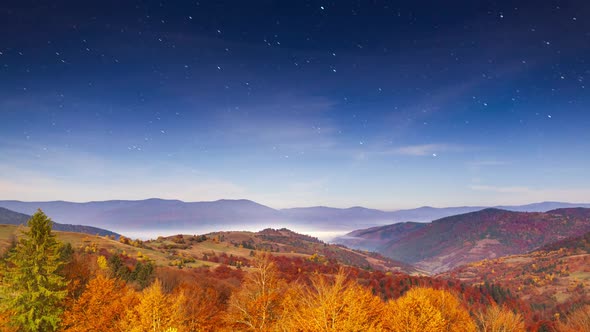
103, 303
427, 309
412, 313
256, 306
331, 305
500, 319
155, 312
578, 320
454, 313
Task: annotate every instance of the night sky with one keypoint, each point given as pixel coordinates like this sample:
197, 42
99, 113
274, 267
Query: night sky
385, 104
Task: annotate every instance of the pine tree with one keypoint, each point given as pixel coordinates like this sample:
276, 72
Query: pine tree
31, 289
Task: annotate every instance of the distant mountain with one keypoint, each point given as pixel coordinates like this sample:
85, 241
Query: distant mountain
9, 217
330, 213
151, 214
330, 217
542, 206
155, 216
428, 213
490, 233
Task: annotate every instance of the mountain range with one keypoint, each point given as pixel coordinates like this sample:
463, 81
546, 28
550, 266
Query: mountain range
175, 216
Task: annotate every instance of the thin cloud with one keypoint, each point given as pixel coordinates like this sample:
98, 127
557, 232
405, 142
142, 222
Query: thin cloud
484, 163
524, 194
74, 175
45, 188
427, 149
504, 190
284, 121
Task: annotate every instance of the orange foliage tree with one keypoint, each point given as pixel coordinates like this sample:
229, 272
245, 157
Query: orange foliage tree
203, 307
79, 270
427, 309
5, 322
103, 303
331, 305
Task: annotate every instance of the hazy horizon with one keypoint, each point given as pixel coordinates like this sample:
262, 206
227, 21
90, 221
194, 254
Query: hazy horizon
302, 206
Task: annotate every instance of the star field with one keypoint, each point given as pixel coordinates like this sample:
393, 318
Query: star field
377, 103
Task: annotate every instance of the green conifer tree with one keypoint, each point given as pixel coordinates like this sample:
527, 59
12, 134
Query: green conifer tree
32, 290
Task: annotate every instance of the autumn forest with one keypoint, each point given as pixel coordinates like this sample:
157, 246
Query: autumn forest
49, 285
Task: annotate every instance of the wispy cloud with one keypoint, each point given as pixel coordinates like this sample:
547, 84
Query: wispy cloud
41, 187
30, 172
478, 167
287, 121
426, 149
504, 190
524, 194
485, 163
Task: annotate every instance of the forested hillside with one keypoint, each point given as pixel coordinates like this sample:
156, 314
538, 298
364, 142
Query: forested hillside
553, 279
453, 241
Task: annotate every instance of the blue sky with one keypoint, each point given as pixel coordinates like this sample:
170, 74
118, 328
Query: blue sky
383, 105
